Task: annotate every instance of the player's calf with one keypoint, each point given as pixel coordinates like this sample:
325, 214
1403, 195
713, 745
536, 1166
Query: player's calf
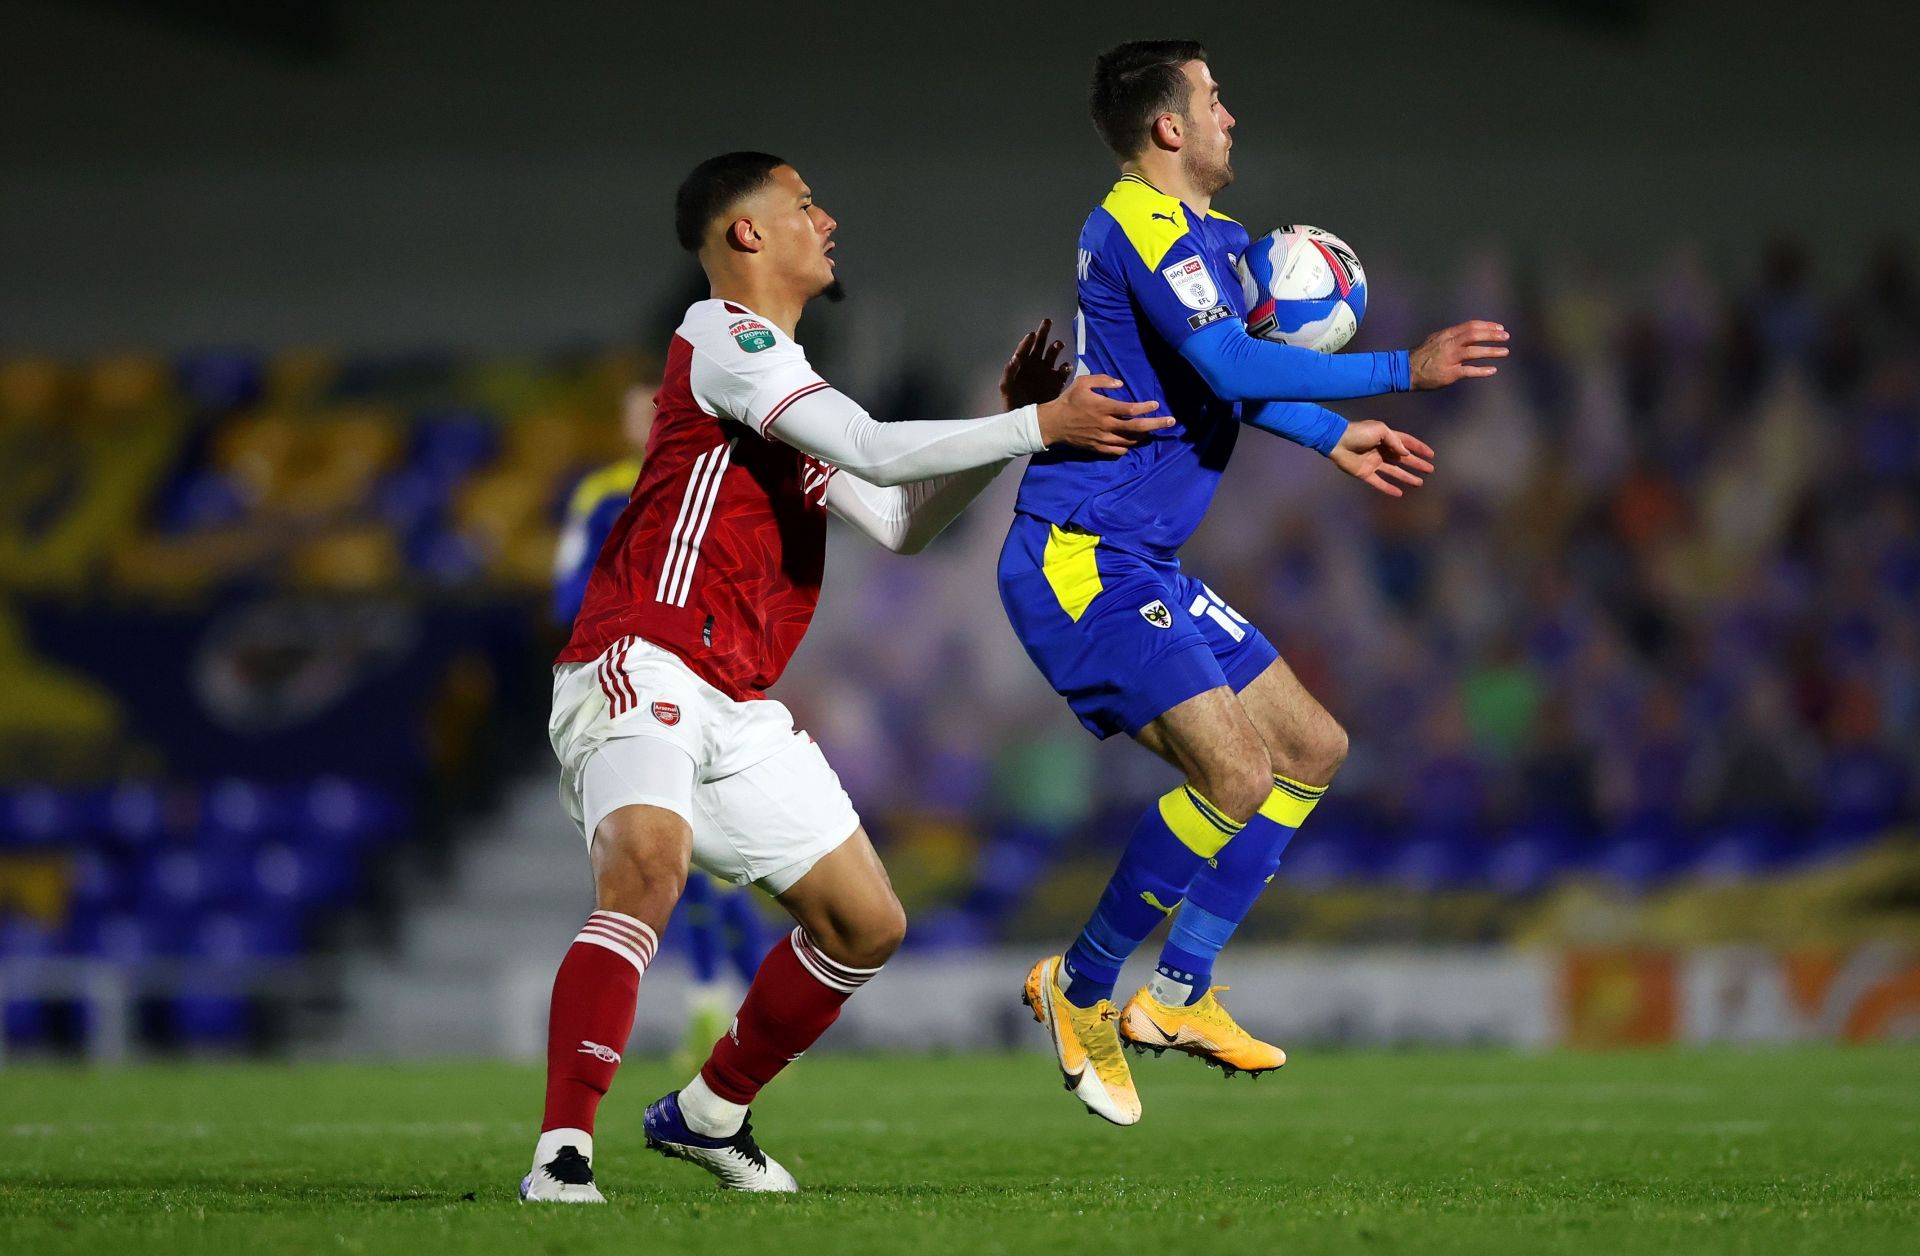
850, 924
640, 860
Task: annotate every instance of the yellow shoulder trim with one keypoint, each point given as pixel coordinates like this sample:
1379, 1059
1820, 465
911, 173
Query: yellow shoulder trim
596, 486
1214, 213
1154, 222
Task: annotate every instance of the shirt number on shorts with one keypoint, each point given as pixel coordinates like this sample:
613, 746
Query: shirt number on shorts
1214, 607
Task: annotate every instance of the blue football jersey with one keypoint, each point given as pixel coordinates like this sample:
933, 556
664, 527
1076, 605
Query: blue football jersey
592, 508
1151, 274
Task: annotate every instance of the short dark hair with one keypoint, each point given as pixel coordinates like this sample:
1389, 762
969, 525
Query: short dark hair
715, 186
1134, 83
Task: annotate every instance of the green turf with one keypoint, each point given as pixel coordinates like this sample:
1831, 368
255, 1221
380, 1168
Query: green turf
1805, 1150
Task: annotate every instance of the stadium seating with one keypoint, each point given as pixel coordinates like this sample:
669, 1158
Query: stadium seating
1651, 626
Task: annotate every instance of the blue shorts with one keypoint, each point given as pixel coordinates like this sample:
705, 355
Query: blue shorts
1123, 638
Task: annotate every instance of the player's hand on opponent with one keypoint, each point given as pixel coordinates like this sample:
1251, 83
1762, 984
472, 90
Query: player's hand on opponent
1034, 375
1371, 452
1446, 357
1087, 418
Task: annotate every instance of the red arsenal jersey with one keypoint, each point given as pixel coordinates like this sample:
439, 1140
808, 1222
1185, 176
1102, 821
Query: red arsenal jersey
718, 554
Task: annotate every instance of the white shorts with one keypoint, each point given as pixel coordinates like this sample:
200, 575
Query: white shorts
636, 726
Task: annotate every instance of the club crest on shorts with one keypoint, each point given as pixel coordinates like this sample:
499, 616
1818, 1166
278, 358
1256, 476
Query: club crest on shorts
667, 713
1157, 614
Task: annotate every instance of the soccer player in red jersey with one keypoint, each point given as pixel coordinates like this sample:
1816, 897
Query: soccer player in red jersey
670, 752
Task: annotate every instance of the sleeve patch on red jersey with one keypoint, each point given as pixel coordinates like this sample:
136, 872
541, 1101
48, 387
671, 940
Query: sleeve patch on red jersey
751, 334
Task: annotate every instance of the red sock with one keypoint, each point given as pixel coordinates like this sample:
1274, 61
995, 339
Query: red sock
594, 994
794, 997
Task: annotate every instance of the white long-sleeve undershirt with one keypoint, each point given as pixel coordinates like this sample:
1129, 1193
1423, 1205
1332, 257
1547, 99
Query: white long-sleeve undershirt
833, 428
905, 517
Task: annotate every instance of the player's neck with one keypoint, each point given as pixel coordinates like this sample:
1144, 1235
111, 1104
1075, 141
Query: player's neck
781, 308
1163, 170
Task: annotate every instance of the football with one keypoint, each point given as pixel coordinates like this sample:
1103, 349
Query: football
1303, 286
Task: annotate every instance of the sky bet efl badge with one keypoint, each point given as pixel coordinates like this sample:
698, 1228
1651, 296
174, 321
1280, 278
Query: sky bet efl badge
1192, 284
751, 334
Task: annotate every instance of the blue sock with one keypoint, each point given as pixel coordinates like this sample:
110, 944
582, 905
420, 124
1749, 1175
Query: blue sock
1172, 841
1225, 889
746, 932
703, 933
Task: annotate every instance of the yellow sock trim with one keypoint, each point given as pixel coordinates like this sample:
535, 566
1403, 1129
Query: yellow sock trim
1201, 827
1291, 803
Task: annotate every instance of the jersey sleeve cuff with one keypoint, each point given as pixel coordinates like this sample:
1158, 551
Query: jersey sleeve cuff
1027, 425
1400, 370
1332, 429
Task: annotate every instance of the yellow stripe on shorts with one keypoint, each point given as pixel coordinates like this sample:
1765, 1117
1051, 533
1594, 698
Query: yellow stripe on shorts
1200, 826
1072, 569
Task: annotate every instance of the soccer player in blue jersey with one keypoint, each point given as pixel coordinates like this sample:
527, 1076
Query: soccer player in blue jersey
719, 923
1091, 579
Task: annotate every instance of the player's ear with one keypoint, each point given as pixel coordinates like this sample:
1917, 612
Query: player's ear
1167, 131
741, 237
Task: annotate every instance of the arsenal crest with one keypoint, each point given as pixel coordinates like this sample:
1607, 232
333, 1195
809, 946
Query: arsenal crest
667, 713
1157, 614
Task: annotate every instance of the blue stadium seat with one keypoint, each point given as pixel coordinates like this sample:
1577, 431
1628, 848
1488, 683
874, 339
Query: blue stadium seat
25, 1020
1644, 850
137, 813
449, 445
205, 499
215, 381
39, 817
236, 808
1437, 859
1317, 859
1739, 849
98, 882
126, 938
342, 812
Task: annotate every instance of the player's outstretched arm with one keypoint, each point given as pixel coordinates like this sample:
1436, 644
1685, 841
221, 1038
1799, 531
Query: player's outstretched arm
1301, 422
906, 517
1239, 366
831, 427
1376, 455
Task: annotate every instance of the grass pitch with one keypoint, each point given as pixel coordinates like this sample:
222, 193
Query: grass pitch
1803, 1150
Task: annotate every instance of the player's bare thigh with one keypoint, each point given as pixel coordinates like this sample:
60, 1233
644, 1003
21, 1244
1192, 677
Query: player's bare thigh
1211, 739
847, 905
1304, 742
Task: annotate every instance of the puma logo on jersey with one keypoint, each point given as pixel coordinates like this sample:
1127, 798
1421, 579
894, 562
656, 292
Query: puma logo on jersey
1169, 217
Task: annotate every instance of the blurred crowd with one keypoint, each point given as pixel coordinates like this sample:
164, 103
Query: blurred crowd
1657, 615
